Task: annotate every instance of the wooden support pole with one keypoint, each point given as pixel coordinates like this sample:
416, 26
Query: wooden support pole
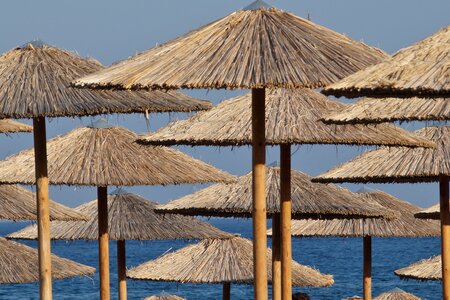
445, 235
40, 162
122, 270
103, 240
226, 295
367, 268
259, 194
276, 257
286, 210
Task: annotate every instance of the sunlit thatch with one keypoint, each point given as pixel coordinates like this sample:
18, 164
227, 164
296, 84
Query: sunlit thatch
19, 264
399, 164
250, 48
130, 217
218, 261
396, 294
425, 269
421, 69
309, 200
10, 126
164, 297
433, 212
35, 78
292, 116
104, 155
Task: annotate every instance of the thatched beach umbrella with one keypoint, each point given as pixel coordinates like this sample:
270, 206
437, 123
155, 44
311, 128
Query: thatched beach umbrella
19, 264
102, 155
229, 123
131, 217
275, 49
407, 165
433, 212
10, 126
164, 296
396, 294
34, 83
419, 70
220, 261
425, 269
403, 225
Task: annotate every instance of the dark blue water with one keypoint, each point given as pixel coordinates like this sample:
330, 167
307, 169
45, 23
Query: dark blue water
341, 257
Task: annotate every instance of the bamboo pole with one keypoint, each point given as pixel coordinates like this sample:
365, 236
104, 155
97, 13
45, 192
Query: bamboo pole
259, 194
286, 209
276, 257
367, 269
445, 235
40, 161
103, 240
226, 295
122, 270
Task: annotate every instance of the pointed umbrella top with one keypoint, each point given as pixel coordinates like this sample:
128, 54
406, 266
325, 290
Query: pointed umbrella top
10, 126
425, 269
399, 164
419, 70
258, 4
35, 79
19, 264
198, 264
274, 49
292, 116
164, 296
309, 200
131, 217
109, 156
101, 123
396, 294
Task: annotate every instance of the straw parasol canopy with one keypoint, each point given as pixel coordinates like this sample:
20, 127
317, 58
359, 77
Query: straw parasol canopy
27, 72
17, 203
164, 297
291, 118
398, 164
373, 110
131, 217
396, 294
19, 264
426, 269
433, 212
228, 260
274, 49
10, 126
403, 225
103, 155
419, 70
309, 200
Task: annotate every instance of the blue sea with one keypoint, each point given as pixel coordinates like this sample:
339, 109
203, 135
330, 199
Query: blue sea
341, 257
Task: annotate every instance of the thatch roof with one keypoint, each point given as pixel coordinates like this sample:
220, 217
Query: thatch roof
403, 225
218, 261
433, 212
251, 48
10, 126
17, 203
396, 294
425, 269
164, 297
35, 79
105, 155
419, 70
399, 164
291, 117
373, 110
309, 200
19, 264
130, 217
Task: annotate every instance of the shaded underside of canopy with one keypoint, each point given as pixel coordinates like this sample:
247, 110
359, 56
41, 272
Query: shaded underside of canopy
403, 225
426, 269
433, 212
218, 261
130, 217
292, 117
260, 48
19, 264
419, 70
17, 203
109, 156
399, 164
309, 200
10, 126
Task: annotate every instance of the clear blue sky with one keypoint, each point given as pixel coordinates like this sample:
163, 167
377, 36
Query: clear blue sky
113, 30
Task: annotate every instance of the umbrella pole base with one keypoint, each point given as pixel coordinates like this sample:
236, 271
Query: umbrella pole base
367, 268
445, 235
103, 240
